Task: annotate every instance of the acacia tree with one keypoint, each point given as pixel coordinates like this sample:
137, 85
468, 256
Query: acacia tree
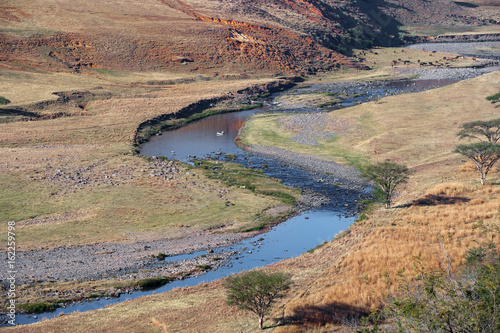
388, 176
480, 129
256, 291
483, 154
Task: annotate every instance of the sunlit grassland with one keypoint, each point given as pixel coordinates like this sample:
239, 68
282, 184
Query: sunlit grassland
418, 129
436, 31
380, 64
415, 129
348, 271
266, 130
363, 263
144, 207
121, 201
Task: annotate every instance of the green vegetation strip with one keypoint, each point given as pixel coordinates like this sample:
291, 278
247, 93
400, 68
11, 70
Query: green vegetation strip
254, 180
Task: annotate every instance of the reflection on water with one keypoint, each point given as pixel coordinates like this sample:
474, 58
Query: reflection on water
199, 138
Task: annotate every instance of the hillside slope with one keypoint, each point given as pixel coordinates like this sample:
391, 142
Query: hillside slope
216, 36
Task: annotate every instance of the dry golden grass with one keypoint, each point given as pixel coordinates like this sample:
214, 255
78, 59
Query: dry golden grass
346, 276
391, 239
452, 189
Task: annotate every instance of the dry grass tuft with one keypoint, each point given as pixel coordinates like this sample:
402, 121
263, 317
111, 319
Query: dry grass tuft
157, 323
362, 265
452, 189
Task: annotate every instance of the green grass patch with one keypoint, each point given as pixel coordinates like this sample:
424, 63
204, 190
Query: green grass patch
369, 207
153, 283
23, 199
161, 256
266, 130
4, 101
317, 247
329, 103
284, 197
258, 227
37, 307
250, 179
203, 267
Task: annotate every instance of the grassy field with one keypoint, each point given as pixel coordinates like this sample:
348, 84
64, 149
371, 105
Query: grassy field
379, 130
73, 180
345, 276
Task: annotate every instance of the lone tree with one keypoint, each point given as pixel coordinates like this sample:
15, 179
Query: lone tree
256, 291
480, 129
483, 154
388, 176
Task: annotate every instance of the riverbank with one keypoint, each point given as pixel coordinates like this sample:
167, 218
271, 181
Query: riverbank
89, 215
295, 157
327, 284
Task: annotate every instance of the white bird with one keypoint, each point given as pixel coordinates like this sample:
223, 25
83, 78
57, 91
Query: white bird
220, 133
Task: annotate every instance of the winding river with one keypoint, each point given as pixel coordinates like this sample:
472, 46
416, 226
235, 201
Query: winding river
289, 239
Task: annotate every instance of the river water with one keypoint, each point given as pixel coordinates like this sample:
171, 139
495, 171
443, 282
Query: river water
301, 233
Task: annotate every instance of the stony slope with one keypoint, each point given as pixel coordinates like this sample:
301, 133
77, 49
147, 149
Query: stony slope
216, 36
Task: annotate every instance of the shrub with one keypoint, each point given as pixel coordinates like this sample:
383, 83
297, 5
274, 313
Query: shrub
4, 101
38, 307
152, 283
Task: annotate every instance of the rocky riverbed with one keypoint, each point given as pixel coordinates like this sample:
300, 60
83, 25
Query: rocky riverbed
119, 260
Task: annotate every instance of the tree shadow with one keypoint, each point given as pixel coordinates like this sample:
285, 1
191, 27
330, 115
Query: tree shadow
17, 112
323, 314
434, 200
466, 4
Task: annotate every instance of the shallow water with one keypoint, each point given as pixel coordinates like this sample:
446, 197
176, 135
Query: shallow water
199, 139
314, 228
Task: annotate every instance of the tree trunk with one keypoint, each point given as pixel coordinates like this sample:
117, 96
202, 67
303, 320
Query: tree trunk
261, 322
